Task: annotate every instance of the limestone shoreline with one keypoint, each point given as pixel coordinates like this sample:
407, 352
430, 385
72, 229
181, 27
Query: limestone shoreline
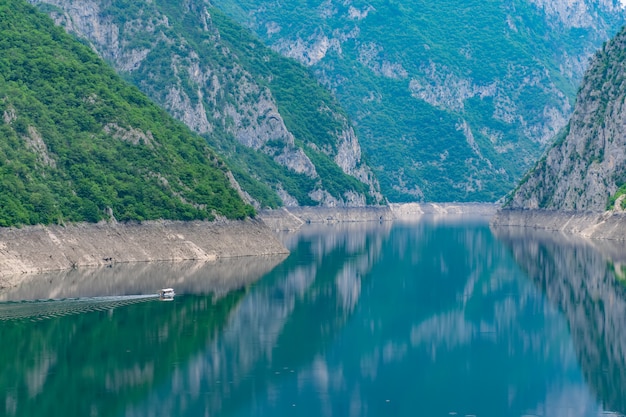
292, 218
592, 225
36, 249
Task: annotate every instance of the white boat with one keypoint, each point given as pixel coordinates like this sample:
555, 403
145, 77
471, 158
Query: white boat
166, 294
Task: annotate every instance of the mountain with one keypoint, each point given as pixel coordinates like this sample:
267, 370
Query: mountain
77, 143
452, 100
286, 139
585, 170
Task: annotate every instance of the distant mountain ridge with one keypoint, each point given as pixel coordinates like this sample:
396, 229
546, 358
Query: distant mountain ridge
452, 100
585, 170
77, 143
283, 136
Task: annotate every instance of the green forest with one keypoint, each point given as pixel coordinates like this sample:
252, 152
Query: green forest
77, 143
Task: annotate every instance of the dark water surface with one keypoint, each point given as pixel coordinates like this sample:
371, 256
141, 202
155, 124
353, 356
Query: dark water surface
426, 319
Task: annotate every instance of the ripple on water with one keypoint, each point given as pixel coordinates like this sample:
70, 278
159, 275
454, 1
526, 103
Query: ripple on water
47, 309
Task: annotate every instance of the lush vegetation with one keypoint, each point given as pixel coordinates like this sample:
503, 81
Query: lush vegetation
612, 199
516, 66
77, 143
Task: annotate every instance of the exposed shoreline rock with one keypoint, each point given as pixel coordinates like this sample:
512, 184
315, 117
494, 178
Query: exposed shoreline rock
409, 211
292, 218
592, 225
36, 249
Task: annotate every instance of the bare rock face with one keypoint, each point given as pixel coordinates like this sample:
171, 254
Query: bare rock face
349, 159
576, 13
87, 17
588, 163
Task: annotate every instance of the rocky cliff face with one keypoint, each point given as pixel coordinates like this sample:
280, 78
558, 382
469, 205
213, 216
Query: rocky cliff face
577, 13
178, 55
587, 165
452, 100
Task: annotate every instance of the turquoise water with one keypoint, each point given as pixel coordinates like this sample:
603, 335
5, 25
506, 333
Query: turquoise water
425, 319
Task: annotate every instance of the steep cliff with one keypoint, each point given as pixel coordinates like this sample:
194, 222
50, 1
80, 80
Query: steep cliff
453, 100
284, 136
585, 170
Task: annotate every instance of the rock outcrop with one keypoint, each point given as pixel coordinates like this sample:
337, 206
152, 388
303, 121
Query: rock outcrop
36, 249
577, 186
587, 164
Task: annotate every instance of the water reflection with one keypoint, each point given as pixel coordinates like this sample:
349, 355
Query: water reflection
93, 356
585, 279
283, 324
216, 278
449, 326
95, 363
426, 319
432, 318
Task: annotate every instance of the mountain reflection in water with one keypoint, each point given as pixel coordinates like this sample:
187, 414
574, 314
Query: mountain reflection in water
587, 281
285, 322
433, 318
217, 278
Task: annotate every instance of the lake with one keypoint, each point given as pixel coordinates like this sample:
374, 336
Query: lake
441, 317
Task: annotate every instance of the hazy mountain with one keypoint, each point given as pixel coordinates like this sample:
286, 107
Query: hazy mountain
452, 100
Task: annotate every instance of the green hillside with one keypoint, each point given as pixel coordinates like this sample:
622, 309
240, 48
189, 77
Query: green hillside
77, 143
452, 100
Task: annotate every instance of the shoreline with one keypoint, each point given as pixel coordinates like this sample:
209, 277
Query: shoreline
37, 249
292, 218
591, 225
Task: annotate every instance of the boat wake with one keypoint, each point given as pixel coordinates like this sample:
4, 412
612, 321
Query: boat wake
47, 309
